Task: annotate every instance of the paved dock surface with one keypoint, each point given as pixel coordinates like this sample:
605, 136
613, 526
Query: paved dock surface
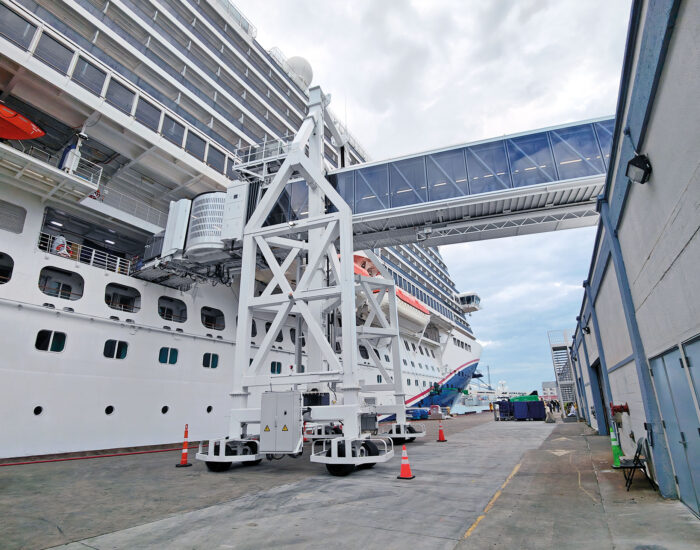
502, 484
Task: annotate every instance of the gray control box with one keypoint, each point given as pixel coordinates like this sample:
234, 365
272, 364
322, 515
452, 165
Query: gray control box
280, 421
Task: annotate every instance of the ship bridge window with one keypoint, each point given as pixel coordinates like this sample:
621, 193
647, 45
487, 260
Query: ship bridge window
53, 53
420, 348
115, 349
210, 360
61, 283
7, 264
120, 96
89, 76
213, 318
408, 348
167, 356
276, 367
50, 340
147, 114
414, 346
123, 298
432, 353
363, 352
15, 28
172, 309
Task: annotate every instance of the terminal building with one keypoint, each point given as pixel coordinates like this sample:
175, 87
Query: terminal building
637, 343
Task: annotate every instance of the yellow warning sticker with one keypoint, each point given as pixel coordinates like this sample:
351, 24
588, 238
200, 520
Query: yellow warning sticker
284, 429
267, 429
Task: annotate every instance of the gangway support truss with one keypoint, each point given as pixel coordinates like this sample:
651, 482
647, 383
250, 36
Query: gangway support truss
318, 251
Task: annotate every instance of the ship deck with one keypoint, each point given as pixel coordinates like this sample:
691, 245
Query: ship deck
493, 484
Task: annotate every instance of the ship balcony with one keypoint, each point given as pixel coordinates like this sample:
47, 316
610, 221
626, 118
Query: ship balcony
54, 244
28, 167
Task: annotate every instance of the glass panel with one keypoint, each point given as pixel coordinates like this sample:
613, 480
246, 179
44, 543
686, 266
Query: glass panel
147, 114
530, 160
195, 145
121, 349
576, 152
447, 175
604, 130
53, 53
15, 28
371, 189
120, 96
215, 159
407, 182
230, 172
58, 342
280, 212
88, 76
214, 360
173, 131
299, 200
42, 340
343, 183
206, 360
487, 167
110, 346
163, 355
173, 356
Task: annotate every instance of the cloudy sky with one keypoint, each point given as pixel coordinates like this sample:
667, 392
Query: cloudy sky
412, 75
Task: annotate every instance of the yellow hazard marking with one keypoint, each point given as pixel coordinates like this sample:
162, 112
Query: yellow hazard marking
284, 429
267, 429
491, 502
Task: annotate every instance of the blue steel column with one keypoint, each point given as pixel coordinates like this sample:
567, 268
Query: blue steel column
660, 452
601, 353
580, 386
593, 377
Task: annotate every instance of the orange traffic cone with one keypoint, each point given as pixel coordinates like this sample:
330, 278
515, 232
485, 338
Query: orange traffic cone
405, 466
441, 435
183, 457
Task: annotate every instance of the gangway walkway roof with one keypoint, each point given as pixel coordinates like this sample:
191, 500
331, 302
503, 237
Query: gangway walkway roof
531, 182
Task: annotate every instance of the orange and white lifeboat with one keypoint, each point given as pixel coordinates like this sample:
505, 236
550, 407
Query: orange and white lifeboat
409, 307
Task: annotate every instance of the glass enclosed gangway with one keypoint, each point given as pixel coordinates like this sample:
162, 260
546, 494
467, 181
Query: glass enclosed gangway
542, 180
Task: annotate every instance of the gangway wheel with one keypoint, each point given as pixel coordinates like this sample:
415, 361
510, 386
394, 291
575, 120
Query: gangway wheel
339, 469
250, 449
368, 449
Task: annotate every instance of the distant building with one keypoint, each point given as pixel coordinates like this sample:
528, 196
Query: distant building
549, 391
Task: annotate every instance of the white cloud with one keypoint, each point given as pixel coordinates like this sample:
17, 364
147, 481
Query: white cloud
411, 75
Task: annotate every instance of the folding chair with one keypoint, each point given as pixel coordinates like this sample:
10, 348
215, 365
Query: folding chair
630, 465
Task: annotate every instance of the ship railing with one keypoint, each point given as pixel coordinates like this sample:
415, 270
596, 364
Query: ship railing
122, 307
133, 206
261, 152
84, 254
88, 171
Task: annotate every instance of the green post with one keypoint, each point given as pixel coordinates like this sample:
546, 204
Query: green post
616, 449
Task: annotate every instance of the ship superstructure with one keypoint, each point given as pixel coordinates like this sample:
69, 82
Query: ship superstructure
143, 103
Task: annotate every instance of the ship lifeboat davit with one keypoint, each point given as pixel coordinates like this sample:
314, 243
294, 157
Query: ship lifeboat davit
15, 126
409, 307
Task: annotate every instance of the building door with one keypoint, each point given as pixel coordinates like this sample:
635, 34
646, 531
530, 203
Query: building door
603, 420
680, 421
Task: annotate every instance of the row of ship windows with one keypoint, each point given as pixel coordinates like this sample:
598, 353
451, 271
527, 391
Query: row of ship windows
55, 341
461, 344
68, 285
419, 349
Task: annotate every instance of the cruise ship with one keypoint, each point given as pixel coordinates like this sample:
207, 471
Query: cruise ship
111, 112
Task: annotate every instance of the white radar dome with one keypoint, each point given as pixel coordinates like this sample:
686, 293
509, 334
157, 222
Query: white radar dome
302, 68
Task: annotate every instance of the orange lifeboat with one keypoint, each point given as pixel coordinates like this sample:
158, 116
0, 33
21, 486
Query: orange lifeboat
15, 126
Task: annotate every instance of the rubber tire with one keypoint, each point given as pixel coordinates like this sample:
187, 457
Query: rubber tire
370, 450
253, 447
339, 470
218, 466
410, 429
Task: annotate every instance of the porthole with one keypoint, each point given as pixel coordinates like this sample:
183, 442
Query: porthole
209, 409
38, 410
109, 409
165, 409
